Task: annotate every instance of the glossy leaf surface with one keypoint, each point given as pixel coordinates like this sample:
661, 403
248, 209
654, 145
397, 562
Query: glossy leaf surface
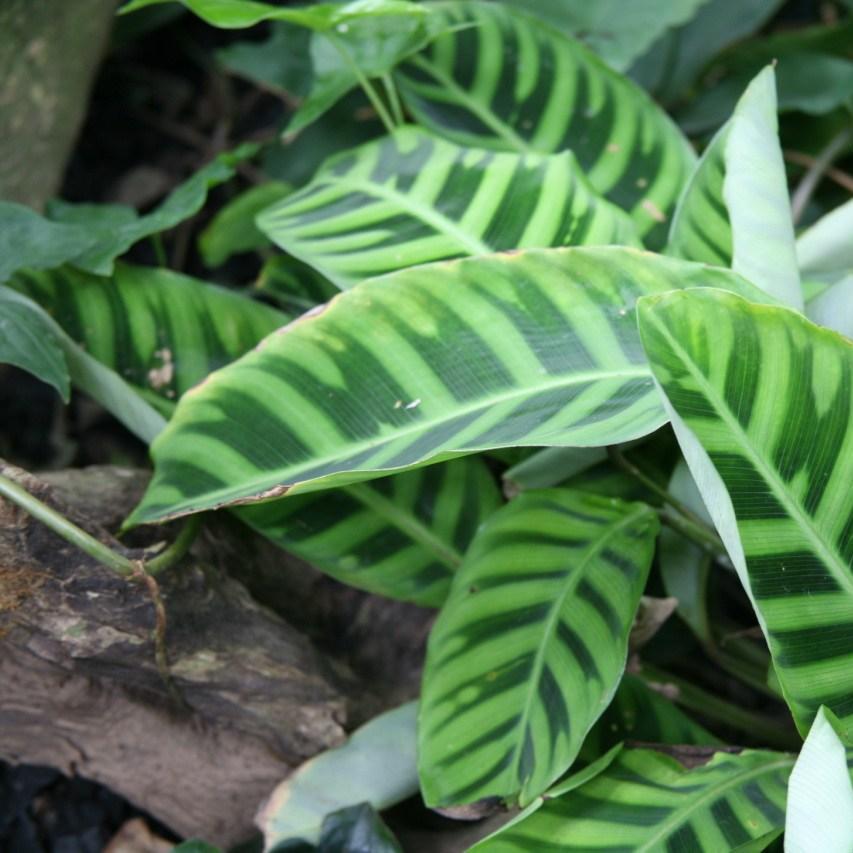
647, 801
402, 536
833, 307
411, 198
506, 81
530, 646
825, 250
762, 402
538, 347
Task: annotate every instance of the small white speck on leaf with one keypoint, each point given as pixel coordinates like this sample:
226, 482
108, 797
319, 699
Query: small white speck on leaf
414, 404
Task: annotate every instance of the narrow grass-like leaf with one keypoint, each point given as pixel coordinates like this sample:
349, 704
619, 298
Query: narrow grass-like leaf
531, 644
820, 793
533, 348
735, 209
762, 403
646, 801
500, 79
160, 330
412, 198
401, 536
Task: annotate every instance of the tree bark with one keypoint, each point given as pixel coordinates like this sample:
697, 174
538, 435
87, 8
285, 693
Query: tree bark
82, 690
49, 52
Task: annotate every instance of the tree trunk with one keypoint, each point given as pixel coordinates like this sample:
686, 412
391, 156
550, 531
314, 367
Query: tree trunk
49, 52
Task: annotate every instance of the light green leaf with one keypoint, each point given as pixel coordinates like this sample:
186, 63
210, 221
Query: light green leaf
402, 536
833, 307
825, 251
646, 801
28, 342
376, 765
761, 401
233, 229
820, 794
618, 32
531, 644
162, 331
506, 81
411, 198
90, 376
735, 209
533, 348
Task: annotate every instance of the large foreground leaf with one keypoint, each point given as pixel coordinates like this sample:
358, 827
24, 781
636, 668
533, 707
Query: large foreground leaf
538, 347
160, 330
401, 536
500, 79
646, 801
768, 395
530, 646
820, 794
735, 209
411, 198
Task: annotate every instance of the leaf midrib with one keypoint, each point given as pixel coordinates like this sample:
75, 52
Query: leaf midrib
679, 816
501, 129
432, 217
229, 496
831, 559
407, 522
572, 580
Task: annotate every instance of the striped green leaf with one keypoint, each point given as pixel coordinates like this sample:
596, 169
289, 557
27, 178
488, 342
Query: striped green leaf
411, 198
646, 801
161, 331
402, 536
820, 793
530, 647
533, 348
292, 285
735, 210
762, 402
500, 79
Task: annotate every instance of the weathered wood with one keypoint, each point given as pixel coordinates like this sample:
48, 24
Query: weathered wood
81, 690
49, 52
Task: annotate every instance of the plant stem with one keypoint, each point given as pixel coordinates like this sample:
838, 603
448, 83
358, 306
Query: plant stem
176, 550
690, 520
721, 710
815, 172
69, 531
365, 84
699, 534
87, 543
394, 100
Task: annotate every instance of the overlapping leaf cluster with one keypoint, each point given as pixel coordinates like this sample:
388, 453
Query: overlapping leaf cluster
499, 293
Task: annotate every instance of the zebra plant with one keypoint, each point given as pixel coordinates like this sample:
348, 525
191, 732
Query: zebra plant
537, 273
